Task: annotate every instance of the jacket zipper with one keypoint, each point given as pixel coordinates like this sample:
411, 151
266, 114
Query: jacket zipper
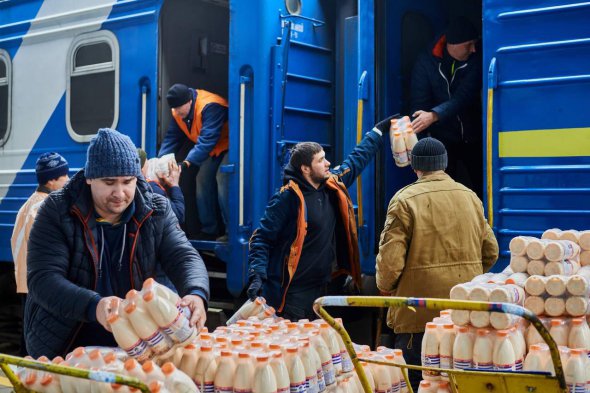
94, 263
449, 90
133, 250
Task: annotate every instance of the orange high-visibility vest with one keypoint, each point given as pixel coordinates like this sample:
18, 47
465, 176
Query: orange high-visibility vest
203, 98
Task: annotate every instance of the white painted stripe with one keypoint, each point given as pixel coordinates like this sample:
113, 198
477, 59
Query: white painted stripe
39, 74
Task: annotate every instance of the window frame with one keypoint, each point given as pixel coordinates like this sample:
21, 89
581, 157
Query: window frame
96, 37
5, 57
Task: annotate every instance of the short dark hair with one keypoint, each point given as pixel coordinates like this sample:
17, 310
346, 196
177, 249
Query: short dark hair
303, 153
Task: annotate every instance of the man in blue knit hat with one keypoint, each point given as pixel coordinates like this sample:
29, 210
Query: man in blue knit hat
51, 170
435, 236
100, 236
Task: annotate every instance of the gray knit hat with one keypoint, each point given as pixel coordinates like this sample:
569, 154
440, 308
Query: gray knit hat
111, 154
428, 155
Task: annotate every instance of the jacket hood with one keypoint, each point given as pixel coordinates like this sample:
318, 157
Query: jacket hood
290, 173
438, 48
78, 192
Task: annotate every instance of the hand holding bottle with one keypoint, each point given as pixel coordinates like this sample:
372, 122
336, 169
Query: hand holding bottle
255, 287
383, 125
104, 308
197, 307
423, 120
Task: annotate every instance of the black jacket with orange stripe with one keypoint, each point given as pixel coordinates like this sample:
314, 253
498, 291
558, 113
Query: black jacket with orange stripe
276, 245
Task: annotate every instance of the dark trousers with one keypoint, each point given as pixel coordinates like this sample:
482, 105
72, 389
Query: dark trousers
465, 165
411, 345
299, 305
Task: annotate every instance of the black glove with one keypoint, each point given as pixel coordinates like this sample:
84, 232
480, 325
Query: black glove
384, 124
255, 287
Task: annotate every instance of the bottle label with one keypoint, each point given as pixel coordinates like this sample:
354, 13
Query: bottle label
329, 375
321, 381
208, 387
504, 367
157, 342
516, 295
311, 384
576, 387
431, 361
461, 363
224, 389
395, 388
185, 310
518, 365
446, 362
401, 158
483, 365
179, 330
279, 390
347, 365
336, 359
236, 390
139, 351
297, 387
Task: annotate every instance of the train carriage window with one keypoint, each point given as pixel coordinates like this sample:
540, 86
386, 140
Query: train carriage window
5, 101
92, 100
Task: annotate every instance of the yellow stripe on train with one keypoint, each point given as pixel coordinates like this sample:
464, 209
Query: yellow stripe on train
560, 142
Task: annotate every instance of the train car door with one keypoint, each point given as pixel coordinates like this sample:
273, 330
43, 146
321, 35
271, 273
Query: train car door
538, 131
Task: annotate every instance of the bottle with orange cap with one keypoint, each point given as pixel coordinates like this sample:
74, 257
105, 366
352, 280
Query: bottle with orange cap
226, 370
169, 318
206, 359
128, 340
264, 378
249, 308
157, 387
189, 360
504, 356
244, 373
296, 369
147, 329
575, 371
177, 381
152, 372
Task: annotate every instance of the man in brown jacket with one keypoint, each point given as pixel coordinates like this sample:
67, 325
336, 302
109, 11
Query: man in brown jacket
435, 236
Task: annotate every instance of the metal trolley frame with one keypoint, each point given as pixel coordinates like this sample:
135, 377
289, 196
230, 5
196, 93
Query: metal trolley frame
460, 381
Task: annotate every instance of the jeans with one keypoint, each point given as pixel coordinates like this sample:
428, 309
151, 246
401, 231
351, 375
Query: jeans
411, 345
211, 190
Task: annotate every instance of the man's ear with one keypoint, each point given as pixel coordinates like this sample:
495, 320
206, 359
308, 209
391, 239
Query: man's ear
305, 169
88, 181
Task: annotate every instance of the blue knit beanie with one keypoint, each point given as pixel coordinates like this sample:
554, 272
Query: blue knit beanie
111, 154
50, 166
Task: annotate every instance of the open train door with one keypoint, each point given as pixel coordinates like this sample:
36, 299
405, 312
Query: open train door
358, 118
537, 56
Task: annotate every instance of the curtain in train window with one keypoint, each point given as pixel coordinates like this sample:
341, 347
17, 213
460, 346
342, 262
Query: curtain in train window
93, 85
5, 82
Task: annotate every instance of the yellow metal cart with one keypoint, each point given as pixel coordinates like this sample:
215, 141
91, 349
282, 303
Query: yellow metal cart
460, 381
99, 376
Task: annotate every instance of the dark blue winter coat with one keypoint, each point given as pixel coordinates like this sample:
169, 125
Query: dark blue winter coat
275, 247
174, 195
456, 101
63, 257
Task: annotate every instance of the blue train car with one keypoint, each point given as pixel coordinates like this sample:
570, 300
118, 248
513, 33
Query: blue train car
296, 70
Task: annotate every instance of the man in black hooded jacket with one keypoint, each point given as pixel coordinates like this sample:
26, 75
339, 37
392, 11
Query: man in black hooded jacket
446, 101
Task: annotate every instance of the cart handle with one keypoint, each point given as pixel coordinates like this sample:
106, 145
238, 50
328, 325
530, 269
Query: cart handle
98, 376
431, 304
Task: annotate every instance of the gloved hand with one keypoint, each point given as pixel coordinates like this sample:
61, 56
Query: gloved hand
255, 287
384, 124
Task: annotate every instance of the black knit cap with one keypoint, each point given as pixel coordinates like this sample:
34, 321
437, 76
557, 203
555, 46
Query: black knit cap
461, 30
429, 155
178, 95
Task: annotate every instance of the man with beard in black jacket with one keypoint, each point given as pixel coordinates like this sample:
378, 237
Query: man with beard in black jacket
103, 234
446, 101
308, 235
